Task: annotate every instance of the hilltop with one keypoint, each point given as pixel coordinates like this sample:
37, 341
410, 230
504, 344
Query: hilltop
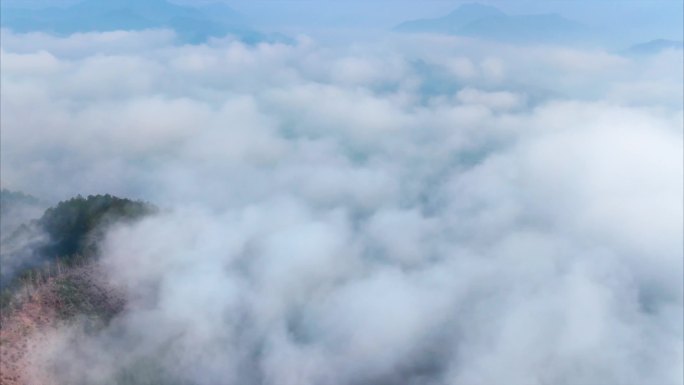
53, 278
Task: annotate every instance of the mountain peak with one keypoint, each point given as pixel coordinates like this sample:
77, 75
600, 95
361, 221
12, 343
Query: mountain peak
461, 17
485, 21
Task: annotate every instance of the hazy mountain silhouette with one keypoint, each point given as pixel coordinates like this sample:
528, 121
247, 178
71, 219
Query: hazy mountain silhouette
654, 47
483, 21
191, 24
453, 22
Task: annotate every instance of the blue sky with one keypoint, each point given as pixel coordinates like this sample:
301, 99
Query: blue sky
634, 19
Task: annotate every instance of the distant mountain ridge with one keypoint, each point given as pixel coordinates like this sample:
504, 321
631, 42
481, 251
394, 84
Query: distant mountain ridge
191, 24
654, 47
484, 21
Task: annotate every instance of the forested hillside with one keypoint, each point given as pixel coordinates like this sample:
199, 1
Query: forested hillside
65, 234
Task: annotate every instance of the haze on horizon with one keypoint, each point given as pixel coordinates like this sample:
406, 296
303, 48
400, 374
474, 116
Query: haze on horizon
628, 22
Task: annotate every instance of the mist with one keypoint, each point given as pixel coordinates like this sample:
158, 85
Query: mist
409, 209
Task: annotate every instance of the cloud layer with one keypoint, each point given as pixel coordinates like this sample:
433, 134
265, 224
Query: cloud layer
420, 210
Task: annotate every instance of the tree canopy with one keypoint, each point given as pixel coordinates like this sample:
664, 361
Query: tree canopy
73, 225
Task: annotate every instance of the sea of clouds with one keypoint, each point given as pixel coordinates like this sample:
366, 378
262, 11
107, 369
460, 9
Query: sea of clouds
407, 210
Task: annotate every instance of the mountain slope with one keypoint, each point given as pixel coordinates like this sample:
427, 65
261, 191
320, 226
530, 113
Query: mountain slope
77, 294
51, 288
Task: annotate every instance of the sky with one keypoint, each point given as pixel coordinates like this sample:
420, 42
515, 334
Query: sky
635, 20
407, 208
659, 18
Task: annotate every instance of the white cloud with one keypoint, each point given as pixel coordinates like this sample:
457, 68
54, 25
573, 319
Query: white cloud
435, 213
500, 100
